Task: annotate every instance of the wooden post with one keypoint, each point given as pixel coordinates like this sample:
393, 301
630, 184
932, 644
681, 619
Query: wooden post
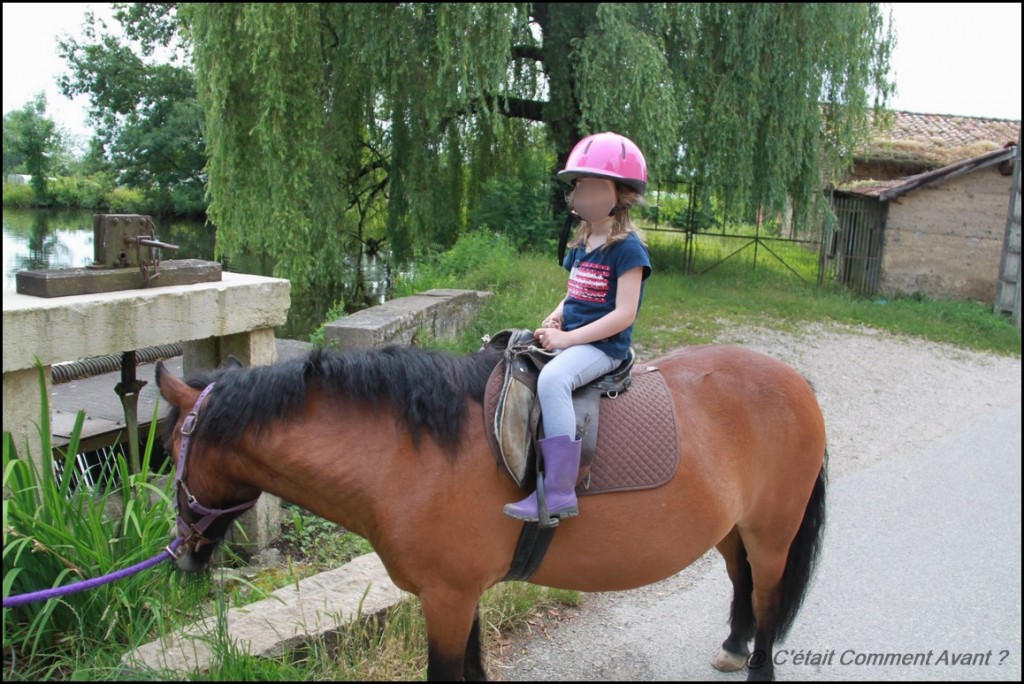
1008, 286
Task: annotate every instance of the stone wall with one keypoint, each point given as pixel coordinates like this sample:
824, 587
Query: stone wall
946, 240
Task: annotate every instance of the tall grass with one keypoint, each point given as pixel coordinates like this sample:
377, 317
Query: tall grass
54, 536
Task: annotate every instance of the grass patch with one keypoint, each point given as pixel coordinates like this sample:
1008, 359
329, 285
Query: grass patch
391, 646
319, 543
506, 607
682, 309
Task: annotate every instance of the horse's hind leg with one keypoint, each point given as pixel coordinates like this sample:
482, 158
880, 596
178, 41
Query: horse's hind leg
735, 649
782, 554
767, 562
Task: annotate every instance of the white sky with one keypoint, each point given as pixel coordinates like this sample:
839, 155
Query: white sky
955, 58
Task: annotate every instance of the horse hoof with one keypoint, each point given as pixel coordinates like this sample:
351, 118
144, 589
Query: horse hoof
727, 661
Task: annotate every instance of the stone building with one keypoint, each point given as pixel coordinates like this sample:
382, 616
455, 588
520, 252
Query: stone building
925, 210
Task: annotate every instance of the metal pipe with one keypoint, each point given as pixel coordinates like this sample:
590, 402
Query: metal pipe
98, 365
146, 242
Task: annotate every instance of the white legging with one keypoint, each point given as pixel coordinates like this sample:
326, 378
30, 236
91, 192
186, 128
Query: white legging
571, 368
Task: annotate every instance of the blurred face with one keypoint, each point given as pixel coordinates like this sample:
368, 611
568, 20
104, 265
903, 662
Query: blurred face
594, 198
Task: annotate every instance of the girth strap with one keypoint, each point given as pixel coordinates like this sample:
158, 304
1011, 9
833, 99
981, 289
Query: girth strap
530, 551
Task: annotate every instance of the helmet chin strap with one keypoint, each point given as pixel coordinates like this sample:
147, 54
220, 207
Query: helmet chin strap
563, 237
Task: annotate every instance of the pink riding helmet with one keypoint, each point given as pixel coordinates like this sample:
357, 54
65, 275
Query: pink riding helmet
607, 155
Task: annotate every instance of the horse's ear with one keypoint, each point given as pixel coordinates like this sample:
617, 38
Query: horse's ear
173, 389
161, 373
232, 363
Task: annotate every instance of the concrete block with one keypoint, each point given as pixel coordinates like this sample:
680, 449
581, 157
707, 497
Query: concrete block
319, 607
453, 310
22, 409
233, 315
254, 348
443, 313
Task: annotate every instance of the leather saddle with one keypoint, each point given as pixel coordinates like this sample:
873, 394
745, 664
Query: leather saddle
517, 426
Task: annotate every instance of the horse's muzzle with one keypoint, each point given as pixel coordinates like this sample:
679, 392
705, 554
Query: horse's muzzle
195, 556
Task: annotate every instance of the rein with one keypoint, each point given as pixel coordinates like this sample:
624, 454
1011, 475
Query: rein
187, 532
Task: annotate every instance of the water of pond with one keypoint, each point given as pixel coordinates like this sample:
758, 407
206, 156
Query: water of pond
43, 239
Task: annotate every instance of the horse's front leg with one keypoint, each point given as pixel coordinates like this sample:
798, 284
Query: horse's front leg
453, 635
473, 667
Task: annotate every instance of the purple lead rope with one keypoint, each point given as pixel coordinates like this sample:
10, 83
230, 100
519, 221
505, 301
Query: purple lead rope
22, 599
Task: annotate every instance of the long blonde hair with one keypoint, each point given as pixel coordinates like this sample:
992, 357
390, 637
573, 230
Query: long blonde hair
622, 225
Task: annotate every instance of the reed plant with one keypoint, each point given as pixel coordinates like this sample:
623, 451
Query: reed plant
55, 535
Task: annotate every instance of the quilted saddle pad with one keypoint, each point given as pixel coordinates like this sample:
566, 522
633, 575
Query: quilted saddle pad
637, 441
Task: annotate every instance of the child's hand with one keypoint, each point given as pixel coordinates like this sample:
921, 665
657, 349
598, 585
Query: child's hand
552, 338
552, 322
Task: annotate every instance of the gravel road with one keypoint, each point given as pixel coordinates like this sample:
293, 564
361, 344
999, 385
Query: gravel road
884, 395
885, 398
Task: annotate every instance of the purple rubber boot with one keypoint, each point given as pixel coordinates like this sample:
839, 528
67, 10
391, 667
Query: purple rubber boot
561, 467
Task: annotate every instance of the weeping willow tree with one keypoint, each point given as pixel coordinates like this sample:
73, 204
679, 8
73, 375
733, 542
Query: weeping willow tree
321, 119
777, 97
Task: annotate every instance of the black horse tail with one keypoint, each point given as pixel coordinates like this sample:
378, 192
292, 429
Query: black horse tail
803, 556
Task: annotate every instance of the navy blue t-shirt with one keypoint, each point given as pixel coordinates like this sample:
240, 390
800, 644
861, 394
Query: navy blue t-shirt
594, 284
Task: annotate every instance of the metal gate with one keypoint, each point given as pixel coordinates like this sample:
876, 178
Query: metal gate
852, 244
697, 225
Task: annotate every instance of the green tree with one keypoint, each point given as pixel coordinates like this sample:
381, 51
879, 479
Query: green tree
777, 96
143, 104
33, 144
315, 111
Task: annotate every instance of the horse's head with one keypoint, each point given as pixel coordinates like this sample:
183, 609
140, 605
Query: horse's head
205, 501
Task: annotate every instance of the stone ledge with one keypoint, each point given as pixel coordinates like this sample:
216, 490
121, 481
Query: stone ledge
319, 606
442, 313
82, 326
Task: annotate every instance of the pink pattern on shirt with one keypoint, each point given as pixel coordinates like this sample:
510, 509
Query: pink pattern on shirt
589, 282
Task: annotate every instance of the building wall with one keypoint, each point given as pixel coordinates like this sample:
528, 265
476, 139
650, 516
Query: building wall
945, 240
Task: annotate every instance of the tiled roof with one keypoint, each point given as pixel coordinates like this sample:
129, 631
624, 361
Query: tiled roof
936, 139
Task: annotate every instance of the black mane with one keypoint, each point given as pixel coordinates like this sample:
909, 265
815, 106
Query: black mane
426, 389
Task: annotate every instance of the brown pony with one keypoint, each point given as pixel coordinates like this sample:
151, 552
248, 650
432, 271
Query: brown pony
391, 445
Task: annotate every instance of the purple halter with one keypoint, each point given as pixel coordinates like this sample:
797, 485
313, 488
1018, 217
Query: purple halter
195, 531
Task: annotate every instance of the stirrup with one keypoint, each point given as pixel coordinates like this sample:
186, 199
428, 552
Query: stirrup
545, 519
